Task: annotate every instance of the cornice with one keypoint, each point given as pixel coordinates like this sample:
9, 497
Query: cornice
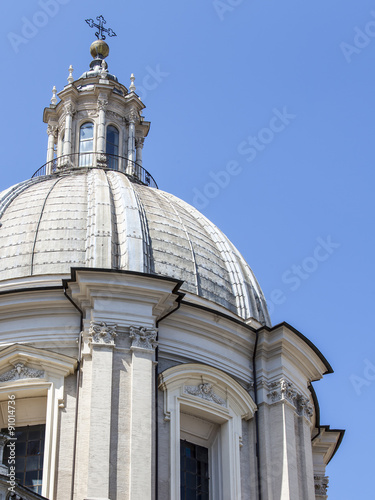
302, 337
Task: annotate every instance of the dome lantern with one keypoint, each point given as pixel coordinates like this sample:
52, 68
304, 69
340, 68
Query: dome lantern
98, 122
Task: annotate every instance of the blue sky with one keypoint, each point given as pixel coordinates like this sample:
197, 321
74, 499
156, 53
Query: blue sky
262, 115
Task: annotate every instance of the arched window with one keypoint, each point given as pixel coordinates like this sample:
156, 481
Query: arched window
112, 147
86, 144
205, 408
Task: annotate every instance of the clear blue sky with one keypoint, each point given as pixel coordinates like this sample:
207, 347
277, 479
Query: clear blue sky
216, 76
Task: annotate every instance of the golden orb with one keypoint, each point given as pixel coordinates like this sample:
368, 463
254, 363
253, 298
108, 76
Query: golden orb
99, 48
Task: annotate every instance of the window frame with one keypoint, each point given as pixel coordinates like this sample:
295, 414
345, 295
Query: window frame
86, 158
227, 408
48, 384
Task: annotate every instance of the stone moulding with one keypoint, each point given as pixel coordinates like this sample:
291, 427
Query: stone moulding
144, 338
113, 114
206, 392
283, 390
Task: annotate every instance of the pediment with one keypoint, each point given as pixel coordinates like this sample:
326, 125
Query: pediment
21, 362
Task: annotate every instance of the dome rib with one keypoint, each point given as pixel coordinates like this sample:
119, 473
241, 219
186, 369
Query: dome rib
133, 235
198, 291
225, 251
147, 242
170, 251
99, 252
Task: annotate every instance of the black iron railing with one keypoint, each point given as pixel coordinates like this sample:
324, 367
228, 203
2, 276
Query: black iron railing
130, 168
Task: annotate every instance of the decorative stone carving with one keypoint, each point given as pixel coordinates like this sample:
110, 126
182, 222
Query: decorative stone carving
101, 160
54, 98
321, 485
93, 113
285, 390
143, 337
132, 116
52, 130
205, 391
21, 371
282, 390
139, 141
304, 407
132, 86
102, 333
69, 109
102, 104
103, 70
70, 77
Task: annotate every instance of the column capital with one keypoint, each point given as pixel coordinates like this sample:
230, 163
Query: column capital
132, 116
283, 390
139, 142
102, 104
52, 130
69, 108
143, 338
102, 333
321, 485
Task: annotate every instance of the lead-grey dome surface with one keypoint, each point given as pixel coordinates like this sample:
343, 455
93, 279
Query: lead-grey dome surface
97, 218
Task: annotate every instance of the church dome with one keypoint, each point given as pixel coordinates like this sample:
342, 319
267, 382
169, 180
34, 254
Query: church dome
133, 333
98, 218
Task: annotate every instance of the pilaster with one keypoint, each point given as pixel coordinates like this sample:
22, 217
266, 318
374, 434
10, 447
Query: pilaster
102, 341
102, 107
324, 445
139, 141
52, 136
285, 443
142, 409
132, 118
69, 112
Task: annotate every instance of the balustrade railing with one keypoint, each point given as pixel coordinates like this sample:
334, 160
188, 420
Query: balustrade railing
98, 160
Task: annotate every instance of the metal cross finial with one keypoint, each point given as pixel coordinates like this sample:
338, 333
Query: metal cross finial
100, 34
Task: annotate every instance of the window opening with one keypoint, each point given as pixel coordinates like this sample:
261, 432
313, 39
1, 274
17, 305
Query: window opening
194, 471
112, 147
29, 451
86, 144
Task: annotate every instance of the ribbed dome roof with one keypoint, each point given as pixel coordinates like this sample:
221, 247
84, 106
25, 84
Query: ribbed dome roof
97, 218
